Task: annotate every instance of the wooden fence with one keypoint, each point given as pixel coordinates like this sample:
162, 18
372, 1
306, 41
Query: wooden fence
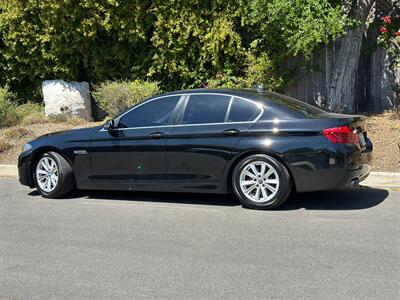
375, 84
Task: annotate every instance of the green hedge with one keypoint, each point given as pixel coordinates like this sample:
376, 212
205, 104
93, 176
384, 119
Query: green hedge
178, 43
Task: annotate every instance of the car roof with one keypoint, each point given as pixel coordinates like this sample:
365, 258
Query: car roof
247, 93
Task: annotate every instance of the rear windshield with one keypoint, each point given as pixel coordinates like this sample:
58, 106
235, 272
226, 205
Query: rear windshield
298, 106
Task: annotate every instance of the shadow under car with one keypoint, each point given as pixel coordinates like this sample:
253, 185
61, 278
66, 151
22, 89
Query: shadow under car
349, 199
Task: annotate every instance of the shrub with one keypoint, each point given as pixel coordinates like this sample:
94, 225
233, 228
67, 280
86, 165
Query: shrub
227, 81
30, 110
112, 97
12, 114
259, 70
8, 112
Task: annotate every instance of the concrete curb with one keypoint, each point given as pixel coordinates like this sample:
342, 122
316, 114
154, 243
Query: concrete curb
8, 171
383, 179
378, 179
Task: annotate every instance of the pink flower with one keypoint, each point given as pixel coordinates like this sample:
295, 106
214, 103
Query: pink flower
387, 19
397, 33
383, 30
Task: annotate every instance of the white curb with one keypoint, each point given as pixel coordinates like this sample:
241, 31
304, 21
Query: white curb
383, 179
8, 171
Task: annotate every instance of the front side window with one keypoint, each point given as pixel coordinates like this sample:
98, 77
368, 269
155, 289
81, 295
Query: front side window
203, 109
153, 113
242, 111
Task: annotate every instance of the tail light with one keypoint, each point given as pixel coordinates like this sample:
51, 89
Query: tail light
341, 135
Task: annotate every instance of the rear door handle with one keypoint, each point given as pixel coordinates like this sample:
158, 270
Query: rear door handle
231, 132
157, 135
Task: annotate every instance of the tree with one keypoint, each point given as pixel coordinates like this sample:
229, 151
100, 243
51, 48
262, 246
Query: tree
341, 94
283, 29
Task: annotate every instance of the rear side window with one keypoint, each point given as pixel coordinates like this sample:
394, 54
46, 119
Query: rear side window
203, 109
242, 111
295, 106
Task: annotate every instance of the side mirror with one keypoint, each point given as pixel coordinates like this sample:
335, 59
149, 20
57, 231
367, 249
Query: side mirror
109, 125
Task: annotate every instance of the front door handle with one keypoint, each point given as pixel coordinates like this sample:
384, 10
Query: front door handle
157, 135
231, 132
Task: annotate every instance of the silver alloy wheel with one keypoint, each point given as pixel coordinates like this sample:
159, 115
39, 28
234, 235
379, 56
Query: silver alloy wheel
259, 181
47, 174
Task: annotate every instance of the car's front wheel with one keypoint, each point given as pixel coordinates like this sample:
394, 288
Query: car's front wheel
261, 182
53, 175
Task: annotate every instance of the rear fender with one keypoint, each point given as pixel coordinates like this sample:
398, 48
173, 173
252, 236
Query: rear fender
307, 154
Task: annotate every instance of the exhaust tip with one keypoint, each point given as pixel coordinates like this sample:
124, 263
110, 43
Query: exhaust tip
355, 181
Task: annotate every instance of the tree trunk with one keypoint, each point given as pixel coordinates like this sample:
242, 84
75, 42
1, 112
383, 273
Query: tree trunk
341, 96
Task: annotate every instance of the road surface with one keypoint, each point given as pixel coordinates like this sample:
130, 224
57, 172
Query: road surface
108, 245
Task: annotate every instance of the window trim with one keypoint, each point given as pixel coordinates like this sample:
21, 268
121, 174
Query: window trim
228, 111
180, 108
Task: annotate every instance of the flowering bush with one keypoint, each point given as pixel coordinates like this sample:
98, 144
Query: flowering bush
390, 36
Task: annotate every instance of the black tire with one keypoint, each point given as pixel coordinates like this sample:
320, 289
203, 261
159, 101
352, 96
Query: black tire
285, 182
66, 180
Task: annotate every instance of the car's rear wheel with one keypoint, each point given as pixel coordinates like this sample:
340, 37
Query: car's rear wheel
261, 182
53, 175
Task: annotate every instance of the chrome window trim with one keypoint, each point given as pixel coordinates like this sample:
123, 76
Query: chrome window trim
179, 125
259, 105
228, 110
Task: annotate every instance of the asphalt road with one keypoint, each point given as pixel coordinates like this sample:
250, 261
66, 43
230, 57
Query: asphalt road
331, 245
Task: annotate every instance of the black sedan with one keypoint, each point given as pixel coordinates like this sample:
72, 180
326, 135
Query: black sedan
260, 145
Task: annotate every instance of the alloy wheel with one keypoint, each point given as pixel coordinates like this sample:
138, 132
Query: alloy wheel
259, 181
47, 174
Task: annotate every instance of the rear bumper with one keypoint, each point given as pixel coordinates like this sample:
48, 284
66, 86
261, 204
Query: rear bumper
354, 177
330, 179
337, 167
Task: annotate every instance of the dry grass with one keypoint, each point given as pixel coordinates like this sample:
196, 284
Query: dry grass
4, 146
17, 132
12, 139
41, 119
35, 119
384, 131
76, 121
393, 114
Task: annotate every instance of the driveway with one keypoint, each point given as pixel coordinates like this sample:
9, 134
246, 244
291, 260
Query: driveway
102, 245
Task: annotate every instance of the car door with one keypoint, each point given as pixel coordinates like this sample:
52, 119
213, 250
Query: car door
199, 146
133, 154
